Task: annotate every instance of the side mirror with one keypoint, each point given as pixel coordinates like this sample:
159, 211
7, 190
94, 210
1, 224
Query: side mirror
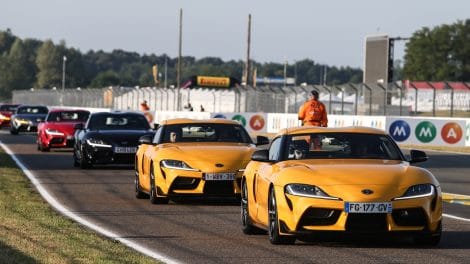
262, 140
417, 156
78, 126
260, 155
146, 139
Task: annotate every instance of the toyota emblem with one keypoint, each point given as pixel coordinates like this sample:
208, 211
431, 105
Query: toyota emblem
367, 192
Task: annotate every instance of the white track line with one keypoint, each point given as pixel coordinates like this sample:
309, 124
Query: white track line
63, 210
456, 217
59, 207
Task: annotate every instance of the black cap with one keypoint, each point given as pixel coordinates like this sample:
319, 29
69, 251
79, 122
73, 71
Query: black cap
315, 94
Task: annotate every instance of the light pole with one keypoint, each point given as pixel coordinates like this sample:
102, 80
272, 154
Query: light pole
63, 80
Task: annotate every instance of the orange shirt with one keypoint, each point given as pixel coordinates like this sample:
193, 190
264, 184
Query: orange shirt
313, 113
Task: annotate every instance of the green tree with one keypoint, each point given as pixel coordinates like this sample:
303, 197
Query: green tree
49, 63
107, 78
439, 54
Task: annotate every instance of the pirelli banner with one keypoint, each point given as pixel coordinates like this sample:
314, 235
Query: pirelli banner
210, 82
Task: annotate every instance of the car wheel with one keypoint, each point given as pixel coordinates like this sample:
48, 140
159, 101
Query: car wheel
273, 229
429, 239
41, 146
84, 163
13, 131
138, 193
75, 159
247, 226
154, 198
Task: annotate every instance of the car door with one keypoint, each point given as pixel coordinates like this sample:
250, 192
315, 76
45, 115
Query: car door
146, 161
263, 180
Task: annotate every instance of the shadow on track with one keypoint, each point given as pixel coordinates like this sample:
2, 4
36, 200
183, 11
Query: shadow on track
450, 240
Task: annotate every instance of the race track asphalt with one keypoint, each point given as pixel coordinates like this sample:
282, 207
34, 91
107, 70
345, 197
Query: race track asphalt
210, 232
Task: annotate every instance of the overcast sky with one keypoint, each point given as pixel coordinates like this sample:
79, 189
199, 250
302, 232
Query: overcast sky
326, 31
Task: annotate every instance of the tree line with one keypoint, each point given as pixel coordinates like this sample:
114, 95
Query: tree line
27, 63
438, 54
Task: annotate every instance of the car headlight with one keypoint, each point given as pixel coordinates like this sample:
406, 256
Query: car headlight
21, 121
3, 117
418, 191
95, 142
54, 132
176, 164
306, 190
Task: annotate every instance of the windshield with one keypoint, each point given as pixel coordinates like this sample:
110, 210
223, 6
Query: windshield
32, 110
118, 122
206, 133
342, 146
68, 116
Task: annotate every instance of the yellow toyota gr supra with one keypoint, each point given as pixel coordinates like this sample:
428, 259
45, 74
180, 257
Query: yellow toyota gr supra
189, 157
352, 179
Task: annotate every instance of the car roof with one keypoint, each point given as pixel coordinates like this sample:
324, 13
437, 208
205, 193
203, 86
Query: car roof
67, 110
116, 113
177, 121
315, 129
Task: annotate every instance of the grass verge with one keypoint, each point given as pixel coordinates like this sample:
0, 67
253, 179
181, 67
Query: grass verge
32, 232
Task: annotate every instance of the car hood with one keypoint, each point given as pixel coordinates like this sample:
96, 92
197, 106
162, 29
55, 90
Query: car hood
205, 156
119, 137
6, 113
347, 178
64, 127
31, 117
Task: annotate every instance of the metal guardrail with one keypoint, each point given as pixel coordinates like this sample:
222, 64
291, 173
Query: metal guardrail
358, 99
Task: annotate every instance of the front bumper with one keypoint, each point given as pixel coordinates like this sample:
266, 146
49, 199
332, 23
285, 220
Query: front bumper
303, 215
55, 141
25, 126
100, 155
192, 183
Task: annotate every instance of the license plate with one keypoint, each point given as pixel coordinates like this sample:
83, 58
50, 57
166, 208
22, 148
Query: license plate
125, 150
69, 137
368, 208
229, 176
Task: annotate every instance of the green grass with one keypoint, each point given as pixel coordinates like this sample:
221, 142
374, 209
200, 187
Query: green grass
32, 232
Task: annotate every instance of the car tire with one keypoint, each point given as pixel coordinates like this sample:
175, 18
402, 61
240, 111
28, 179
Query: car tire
13, 131
41, 147
84, 163
138, 193
273, 223
247, 227
429, 239
75, 159
154, 198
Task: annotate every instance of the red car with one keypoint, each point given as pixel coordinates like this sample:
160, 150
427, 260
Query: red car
6, 110
58, 129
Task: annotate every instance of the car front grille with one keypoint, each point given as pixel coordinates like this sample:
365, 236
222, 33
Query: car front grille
319, 217
366, 222
409, 217
184, 183
218, 188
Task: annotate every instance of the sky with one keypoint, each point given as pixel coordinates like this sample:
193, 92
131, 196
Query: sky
329, 32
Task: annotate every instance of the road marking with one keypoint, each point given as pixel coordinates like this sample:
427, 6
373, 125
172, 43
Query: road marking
66, 212
456, 198
456, 217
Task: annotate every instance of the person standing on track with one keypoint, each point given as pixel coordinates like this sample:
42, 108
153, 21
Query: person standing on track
144, 107
313, 112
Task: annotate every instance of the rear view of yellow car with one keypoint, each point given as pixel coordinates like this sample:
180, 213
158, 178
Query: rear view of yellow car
352, 179
189, 157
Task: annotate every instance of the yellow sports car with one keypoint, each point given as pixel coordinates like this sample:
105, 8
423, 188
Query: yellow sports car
352, 179
189, 157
